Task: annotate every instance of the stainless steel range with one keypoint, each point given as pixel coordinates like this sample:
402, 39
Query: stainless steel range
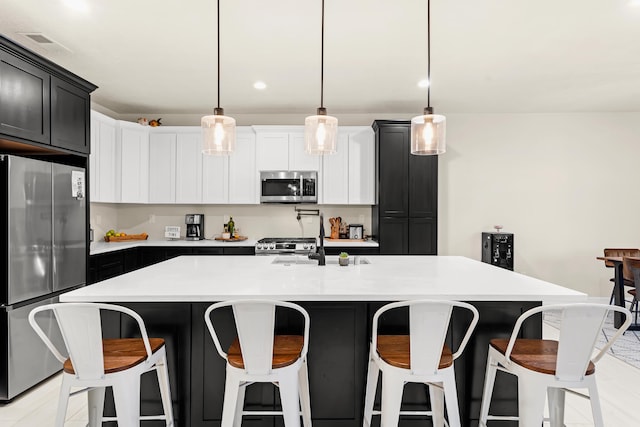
285, 245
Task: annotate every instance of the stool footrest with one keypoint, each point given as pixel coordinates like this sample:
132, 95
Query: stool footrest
142, 418
501, 418
263, 412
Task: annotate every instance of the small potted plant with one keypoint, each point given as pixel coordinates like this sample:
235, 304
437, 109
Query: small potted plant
343, 259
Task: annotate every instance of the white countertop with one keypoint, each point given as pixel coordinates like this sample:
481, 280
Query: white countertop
387, 278
104, 247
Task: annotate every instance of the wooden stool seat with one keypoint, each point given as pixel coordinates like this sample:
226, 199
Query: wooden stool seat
394, 349
122, 354
535, 355
286, 350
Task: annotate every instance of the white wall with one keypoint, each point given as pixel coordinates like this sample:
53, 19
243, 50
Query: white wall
564, 184
254, 221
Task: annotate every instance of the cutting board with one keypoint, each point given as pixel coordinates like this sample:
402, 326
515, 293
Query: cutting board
142, 236
231, 239
344, 240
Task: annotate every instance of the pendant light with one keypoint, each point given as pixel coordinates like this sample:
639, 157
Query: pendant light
218, 130
320, 131
428, 130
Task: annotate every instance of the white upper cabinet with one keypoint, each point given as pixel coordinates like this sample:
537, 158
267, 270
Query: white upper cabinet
134, 163
243, 174
299, 159
272, 151
162, 168
362, 173
335, 174
282, 148
349, 176
189, 165
104, 163
215, 179
130, 163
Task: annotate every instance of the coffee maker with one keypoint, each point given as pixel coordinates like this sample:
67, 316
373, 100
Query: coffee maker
195, 226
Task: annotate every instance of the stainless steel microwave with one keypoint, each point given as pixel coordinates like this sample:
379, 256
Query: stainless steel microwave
288, 187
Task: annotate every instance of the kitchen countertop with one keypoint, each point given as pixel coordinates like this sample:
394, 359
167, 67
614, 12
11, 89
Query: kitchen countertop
101, 247
386, 278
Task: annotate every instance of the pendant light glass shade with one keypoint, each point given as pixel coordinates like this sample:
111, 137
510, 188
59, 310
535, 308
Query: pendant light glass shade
428, 130
218, 134
218, 130
428, 134
320, 133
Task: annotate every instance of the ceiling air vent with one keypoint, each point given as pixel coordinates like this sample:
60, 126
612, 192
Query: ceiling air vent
45, 42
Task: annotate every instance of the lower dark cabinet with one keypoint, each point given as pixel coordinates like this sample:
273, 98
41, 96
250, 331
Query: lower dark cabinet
338, 356
422, 236
351, 250
336, 361
111, 264
393, 234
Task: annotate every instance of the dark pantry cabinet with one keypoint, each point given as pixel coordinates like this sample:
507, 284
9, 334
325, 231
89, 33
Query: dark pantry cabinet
405, 217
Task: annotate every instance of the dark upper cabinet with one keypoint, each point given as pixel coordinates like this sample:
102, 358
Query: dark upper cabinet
392, 171
70, 112
405, 218
41, 103
423, 186
24, 100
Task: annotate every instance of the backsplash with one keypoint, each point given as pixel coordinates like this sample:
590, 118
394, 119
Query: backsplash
253, 221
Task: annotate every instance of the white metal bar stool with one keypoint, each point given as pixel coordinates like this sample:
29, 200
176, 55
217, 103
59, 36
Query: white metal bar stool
258, 355
548, 366
420, 357
95, 363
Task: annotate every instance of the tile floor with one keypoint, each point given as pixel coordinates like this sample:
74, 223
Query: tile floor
617, 381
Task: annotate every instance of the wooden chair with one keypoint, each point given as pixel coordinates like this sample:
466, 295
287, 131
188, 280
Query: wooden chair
95, 363
258, 355
548, 366
626, 273
633, 265
420, 357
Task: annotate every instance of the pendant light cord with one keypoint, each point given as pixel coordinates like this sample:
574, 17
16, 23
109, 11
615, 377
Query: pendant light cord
322, 61
218, 53
429, 53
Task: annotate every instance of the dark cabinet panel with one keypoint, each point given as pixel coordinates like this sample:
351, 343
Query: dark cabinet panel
393, 236
239, 250
24, 100
42, 104
393, 165
351, 250
70, 109
421, 236
337, 345
407, 187
423, 186
111, 264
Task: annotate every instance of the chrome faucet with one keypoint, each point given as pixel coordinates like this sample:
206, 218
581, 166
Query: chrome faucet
319, 254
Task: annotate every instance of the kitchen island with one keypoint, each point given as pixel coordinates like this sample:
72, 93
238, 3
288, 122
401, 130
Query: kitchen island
172, 296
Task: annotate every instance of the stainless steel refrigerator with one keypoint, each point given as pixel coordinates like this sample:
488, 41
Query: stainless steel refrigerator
43, 254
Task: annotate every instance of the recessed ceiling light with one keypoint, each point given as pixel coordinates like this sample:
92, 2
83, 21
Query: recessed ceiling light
78, 5
423, 84
260, 85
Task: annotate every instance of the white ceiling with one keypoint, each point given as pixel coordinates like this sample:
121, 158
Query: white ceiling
487, 55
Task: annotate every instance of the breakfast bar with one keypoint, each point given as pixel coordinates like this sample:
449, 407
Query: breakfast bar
172, 296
